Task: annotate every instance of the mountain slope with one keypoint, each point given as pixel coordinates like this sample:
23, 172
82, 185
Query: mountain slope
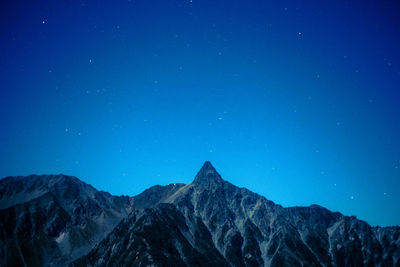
157, 236
53, 219
226, 225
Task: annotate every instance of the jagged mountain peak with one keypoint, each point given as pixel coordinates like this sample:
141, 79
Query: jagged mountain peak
208, 166
212, 222
207, 175
208, 222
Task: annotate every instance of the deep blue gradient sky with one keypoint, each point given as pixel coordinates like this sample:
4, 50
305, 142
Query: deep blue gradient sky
295, 100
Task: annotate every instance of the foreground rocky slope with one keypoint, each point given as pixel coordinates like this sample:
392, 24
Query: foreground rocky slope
211, 222
59, 220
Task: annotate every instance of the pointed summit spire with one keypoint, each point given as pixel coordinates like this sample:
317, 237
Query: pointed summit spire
207, 175
207, 167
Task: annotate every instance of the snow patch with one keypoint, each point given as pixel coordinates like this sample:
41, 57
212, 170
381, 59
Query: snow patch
60, 238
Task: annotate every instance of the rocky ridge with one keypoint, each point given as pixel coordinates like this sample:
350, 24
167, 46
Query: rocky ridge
56, 220
212, 222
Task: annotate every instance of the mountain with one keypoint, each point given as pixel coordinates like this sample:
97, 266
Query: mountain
211, 222
50, 220
207, 222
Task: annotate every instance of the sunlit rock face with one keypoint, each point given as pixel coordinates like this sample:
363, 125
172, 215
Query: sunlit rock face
59, 220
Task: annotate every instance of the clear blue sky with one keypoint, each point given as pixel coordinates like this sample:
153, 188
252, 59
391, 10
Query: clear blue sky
295, 100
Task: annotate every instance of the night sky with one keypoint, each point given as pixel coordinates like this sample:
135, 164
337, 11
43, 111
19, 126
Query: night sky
296, 100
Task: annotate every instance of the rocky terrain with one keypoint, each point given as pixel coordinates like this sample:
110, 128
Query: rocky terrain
207, 222
50, 220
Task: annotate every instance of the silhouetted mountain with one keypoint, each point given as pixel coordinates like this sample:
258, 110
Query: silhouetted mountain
208, 222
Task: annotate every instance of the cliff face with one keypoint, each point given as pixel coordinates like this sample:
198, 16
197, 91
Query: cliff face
57, 219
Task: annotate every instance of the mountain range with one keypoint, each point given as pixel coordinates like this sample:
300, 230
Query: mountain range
58, 220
